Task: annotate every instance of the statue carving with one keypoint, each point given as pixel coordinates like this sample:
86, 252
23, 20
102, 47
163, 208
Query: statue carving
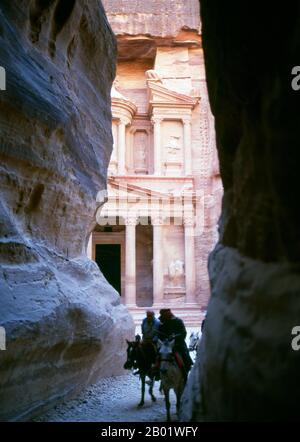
151, 74
115, 93
176, 270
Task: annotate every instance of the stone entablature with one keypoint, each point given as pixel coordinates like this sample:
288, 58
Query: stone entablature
148, 196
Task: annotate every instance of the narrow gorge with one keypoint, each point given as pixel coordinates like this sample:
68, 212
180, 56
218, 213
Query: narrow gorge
238, 119
64, 323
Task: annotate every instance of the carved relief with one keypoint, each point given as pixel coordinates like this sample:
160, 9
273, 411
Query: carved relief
115, 93
176, 273
173, 148
176, 269
173, 145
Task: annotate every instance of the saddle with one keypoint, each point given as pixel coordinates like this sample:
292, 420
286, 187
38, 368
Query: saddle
179, 360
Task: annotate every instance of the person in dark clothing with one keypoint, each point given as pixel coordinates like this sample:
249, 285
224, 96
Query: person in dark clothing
171, 325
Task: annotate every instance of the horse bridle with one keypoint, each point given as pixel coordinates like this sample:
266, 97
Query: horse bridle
171, 359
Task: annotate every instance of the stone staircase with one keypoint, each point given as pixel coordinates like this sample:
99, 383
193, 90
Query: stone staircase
191, 314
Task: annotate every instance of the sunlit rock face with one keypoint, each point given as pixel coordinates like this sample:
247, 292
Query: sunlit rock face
64, 324
156, 18
246, 368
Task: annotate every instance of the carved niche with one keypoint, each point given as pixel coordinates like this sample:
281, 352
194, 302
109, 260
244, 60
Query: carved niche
176, 272
174, 290
173, 147
140, 152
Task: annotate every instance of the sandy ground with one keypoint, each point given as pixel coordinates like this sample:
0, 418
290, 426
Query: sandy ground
113, 399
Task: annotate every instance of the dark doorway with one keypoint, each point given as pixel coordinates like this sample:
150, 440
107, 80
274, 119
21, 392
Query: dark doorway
108, 258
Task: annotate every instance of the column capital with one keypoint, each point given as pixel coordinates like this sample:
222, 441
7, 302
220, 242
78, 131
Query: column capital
157, 220
122, 121
156, 120
130, 220
186, 120
189, 221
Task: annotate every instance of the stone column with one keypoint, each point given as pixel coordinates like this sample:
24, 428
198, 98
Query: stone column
121, 147
130, 262
189, 248
157, 145
187, 140
158, 274
89, 249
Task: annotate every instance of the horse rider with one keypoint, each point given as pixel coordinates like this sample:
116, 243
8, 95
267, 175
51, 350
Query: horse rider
172, 326
150, 327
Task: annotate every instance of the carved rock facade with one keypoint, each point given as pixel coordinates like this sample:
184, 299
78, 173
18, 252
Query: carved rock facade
164, 167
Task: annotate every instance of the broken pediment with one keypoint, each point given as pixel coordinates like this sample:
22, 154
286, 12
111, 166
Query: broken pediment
122, 107
161, 96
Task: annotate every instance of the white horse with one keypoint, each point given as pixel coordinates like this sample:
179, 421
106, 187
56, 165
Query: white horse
171, 375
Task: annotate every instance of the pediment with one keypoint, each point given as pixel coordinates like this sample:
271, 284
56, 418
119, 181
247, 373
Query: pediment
134, 190
159, 94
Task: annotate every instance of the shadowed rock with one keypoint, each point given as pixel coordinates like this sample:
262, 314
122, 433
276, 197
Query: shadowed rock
64, 324
246, 368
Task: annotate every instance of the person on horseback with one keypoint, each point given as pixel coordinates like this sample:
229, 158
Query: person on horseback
150, 327
171, 326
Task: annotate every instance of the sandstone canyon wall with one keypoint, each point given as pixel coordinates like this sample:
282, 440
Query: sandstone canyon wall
64, 324
246, 368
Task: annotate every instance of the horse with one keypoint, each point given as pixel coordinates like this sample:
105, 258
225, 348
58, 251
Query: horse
171, 374
142, 356
194, 341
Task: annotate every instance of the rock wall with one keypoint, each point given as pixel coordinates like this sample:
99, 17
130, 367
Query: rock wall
144, 26
64, 324
154, 17
246, 368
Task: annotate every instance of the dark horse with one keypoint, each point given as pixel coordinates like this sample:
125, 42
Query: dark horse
142, 356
